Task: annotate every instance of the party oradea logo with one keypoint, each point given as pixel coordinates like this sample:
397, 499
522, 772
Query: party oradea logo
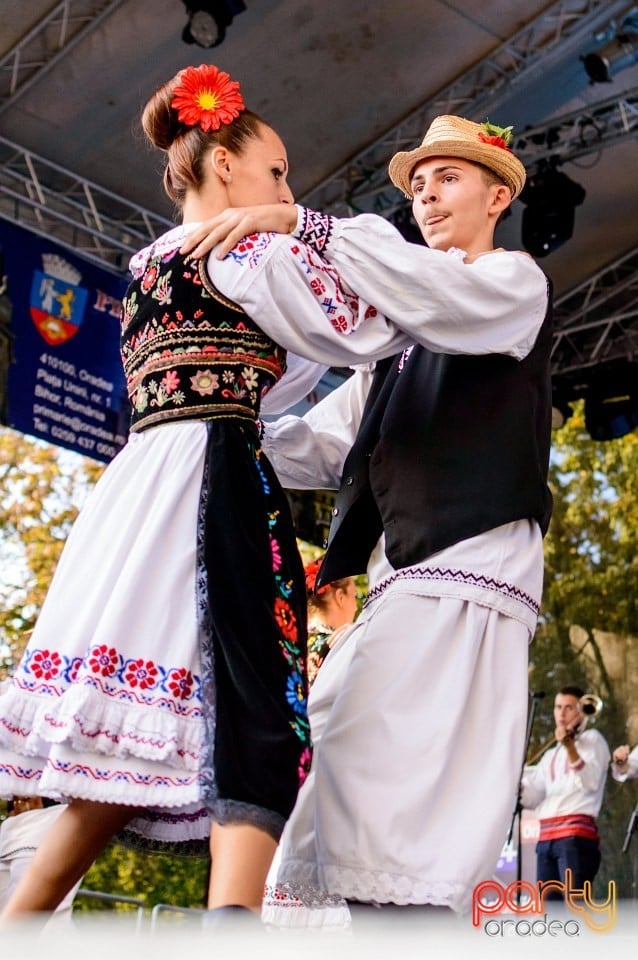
57, 303
525, 907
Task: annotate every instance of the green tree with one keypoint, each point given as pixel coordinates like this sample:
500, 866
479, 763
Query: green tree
590, 595
591, 560
591, 557
151, 878
42, 488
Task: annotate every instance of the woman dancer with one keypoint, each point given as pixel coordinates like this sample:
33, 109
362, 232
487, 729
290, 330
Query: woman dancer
163, 691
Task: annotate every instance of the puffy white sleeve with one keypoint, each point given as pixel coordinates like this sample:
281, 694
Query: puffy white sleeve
308, 452
496, 304
345, 291
533, 785
302, 303
594, 759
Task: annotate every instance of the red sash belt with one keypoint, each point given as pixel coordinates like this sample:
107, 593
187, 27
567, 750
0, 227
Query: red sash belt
572, 825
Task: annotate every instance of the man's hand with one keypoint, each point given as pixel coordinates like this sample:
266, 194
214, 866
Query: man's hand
620, 756
563, 734
226, 229
566, 735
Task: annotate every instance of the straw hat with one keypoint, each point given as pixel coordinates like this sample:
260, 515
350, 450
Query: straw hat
456, 137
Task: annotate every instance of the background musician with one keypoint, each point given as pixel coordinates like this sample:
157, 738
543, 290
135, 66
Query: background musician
625, 763
566, 789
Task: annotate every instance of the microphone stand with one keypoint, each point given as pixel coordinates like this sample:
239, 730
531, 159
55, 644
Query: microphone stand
633, 822
518, 808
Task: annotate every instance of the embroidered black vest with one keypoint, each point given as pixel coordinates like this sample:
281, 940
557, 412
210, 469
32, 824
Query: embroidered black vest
449, 446
189, 352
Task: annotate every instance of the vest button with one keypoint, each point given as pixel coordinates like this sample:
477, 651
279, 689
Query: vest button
349, 481
335, 511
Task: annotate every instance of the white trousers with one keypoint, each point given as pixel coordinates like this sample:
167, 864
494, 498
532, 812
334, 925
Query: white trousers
418, 716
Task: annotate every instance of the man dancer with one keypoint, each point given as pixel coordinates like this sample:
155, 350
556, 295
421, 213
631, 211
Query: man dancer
440, 455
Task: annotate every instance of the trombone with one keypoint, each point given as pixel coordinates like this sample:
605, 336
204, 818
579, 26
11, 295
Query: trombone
590, 706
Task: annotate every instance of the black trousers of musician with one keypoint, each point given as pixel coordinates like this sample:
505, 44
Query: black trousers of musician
553, 857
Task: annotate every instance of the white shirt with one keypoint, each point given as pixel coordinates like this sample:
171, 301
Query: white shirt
501, 569
555, 787
495, 304
407, 293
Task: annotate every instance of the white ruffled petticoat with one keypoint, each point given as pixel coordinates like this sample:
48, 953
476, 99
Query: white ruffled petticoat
107, 702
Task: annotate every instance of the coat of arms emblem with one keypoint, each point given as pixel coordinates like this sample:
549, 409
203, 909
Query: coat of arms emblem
57, 303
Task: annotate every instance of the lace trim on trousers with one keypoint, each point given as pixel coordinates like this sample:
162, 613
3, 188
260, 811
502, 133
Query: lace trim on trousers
300, 878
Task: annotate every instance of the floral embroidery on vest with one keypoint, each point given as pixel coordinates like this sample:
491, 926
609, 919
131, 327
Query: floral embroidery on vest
206, 359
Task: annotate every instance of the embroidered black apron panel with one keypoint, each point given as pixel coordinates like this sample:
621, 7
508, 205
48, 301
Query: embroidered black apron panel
258, 631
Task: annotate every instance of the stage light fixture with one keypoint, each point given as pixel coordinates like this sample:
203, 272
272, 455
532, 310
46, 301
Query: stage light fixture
548, 219
207, 22
611, 404
619, 50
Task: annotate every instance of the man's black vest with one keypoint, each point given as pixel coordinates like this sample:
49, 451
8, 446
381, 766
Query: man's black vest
449, 446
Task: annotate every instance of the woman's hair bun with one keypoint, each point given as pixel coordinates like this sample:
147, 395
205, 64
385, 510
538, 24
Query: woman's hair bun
159, 119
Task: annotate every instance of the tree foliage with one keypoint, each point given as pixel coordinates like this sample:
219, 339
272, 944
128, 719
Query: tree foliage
42, 488
591, 562
588, 627
150, 878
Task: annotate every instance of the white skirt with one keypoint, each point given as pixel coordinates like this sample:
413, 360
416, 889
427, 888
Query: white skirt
106, 704
418, 717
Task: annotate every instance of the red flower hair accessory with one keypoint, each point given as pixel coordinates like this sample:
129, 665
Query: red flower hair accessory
312, 571
496, 136
207, 97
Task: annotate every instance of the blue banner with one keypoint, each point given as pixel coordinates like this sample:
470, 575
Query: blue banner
65, 383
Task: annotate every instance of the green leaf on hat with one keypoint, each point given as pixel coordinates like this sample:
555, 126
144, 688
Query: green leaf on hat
492, 130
